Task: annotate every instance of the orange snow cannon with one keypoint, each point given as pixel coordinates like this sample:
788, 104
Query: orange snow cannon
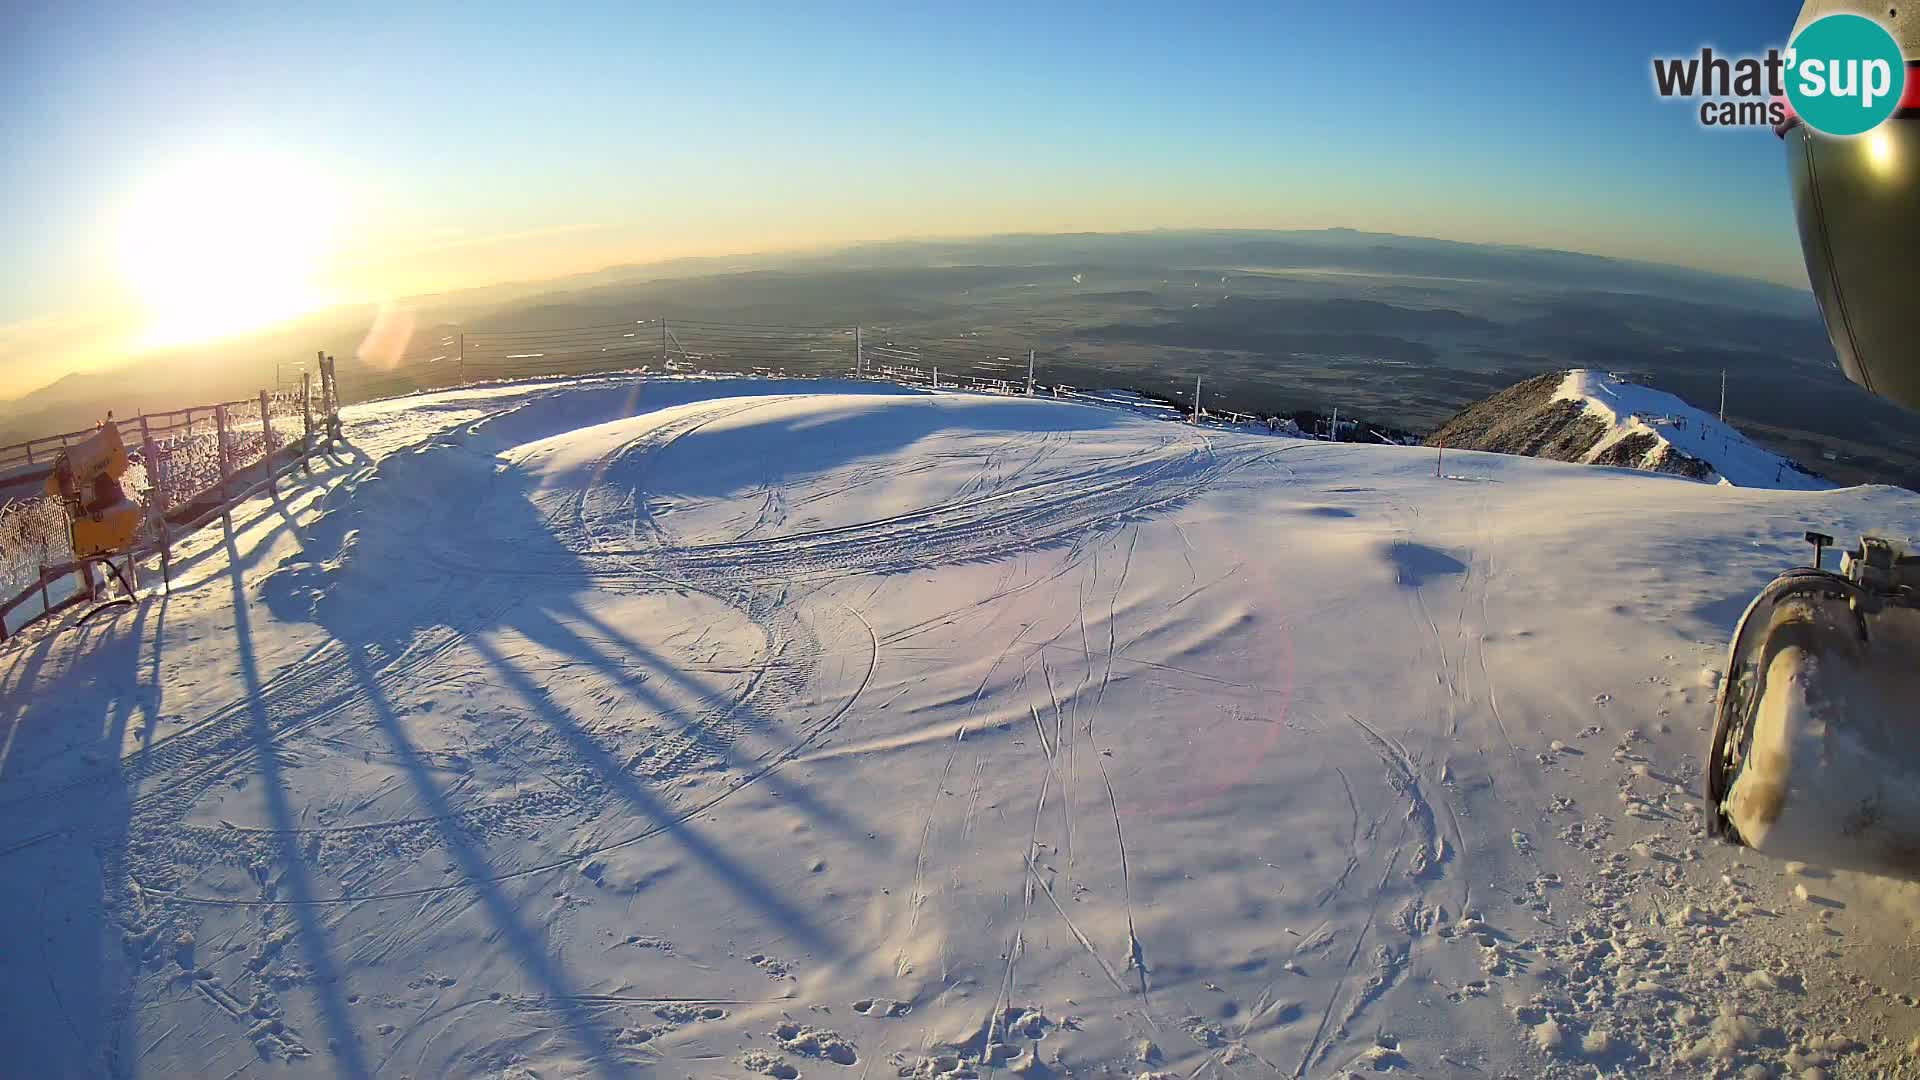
86, 480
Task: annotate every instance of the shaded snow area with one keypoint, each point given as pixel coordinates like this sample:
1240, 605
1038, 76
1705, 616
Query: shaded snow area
1654, 427
688, 728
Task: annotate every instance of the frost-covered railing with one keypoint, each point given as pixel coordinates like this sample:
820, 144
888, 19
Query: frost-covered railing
187, 466
33, 536
196, 451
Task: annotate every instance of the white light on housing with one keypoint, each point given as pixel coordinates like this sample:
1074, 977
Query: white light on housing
1880, 154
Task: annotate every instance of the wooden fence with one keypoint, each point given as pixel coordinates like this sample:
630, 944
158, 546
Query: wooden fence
192, 465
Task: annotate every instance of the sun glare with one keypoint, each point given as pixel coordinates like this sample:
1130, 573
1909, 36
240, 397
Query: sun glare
219, 246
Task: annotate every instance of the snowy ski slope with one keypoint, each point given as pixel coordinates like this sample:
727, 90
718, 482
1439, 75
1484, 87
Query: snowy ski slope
680, 727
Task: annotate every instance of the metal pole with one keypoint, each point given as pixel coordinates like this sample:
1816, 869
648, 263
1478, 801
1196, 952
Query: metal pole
463, 358
1196, 399
663, 342
859, 355
1723, 395
1029, 372
1334, 434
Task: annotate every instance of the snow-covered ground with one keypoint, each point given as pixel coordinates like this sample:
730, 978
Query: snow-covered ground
628, 727
1629, 409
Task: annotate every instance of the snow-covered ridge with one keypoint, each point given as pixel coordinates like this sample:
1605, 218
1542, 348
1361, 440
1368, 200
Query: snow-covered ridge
1674, 432
1596, 418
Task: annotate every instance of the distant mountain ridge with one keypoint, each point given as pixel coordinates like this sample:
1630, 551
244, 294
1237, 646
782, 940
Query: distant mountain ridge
1595, 418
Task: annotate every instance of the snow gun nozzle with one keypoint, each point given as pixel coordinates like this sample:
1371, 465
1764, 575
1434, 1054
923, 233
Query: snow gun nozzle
1821, 542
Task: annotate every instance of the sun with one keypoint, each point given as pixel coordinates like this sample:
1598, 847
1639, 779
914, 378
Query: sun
221, 245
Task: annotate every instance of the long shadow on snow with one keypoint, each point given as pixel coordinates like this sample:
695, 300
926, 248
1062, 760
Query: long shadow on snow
294, 876
545, 626
377, 571
75, 960
363, 546
257, 511
348, 578
291, 880
91, 991
529, 950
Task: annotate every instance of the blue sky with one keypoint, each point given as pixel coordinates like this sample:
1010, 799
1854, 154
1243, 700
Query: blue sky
465, 145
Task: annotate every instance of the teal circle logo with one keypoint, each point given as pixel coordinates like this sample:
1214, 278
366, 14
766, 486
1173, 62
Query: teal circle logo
1845, 74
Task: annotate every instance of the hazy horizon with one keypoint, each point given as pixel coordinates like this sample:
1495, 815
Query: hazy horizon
28, 381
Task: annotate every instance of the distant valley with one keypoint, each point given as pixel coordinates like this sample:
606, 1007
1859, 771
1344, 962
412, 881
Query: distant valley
1399, 331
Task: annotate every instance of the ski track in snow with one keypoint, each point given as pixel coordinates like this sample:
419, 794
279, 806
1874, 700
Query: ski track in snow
617, 726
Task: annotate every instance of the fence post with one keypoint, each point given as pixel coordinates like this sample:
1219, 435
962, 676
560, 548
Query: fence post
936, 378
220, 433
157, 498
859, 355
306, 414
320, 361
463, 358
330, 398
266, 434
1029, 372
663, 341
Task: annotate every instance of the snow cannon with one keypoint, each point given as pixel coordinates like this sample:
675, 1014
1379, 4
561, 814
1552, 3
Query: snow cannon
1816, 753
86, 480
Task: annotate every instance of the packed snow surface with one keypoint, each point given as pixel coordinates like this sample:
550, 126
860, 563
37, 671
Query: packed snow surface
1629, 409
683, 727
